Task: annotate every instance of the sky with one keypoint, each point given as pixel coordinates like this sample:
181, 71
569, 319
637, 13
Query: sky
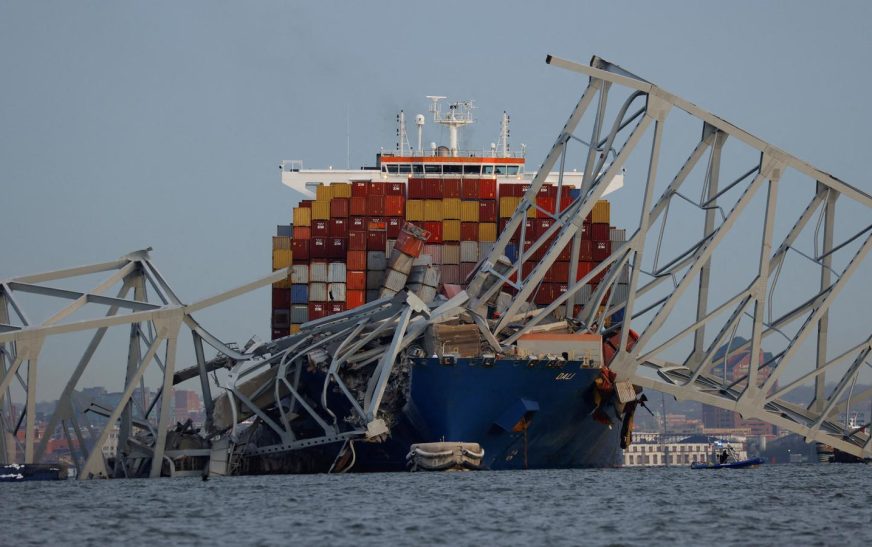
125, 125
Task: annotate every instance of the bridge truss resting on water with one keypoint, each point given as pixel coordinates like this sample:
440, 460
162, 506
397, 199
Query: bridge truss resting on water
717, 289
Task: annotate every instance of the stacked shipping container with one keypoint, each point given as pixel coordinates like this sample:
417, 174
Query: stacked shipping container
339, 244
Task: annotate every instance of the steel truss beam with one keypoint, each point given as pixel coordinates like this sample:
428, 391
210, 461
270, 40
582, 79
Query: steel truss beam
22, 341
652, 360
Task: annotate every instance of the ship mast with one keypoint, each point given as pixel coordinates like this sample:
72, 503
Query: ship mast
459, 114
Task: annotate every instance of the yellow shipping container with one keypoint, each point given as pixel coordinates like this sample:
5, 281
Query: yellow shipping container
324, 193
415, 210
281, 242
295, 328
508, 204
320, 210
451, 208
340, 189
283, 284
282, 258
487, 231
433, 209
302, 216
451, 230
469, 211
601, 211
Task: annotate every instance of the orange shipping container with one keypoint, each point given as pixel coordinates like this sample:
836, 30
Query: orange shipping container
469, 211
355, 281
415, 210
487, 231
354, 298
356, 260
451, 230
394, 206
451, 209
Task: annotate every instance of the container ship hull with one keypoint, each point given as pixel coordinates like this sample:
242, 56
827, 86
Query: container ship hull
523, 417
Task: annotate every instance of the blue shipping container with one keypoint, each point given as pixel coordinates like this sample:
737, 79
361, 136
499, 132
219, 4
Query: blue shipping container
299, 294
512, 252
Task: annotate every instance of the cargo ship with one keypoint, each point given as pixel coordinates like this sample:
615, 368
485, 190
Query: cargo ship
536, 408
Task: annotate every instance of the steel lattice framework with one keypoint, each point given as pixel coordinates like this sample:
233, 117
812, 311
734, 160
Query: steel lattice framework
155, 315
656, 360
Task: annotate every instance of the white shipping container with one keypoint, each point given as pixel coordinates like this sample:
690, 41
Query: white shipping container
317, 292
395, 281
336, 292
617, 235
484, 248
434, 252
318, 272
469, 251
426, 294
390, 246
400, 262
336, 272
620, 293
384, 292
451, 254
300, 274
431, 277
624, 275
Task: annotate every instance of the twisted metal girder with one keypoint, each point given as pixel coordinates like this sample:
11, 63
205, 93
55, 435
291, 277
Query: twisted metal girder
684, 363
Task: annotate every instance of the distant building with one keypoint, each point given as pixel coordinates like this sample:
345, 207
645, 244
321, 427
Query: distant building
657, 450
737, 364
188, 405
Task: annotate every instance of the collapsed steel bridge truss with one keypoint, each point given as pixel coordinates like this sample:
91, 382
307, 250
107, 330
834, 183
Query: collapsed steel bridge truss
681, 307
155, 315
681, 333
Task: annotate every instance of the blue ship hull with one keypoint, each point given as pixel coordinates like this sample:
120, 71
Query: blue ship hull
525, 417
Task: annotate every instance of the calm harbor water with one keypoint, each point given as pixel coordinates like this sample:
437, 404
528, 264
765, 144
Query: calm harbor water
784, 505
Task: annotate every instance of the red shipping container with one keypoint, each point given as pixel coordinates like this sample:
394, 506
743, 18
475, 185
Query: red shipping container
546, 206
487, 211
516, 236
335, 307
300, 249
320, 228
302, 232
279, 333
357, 224
469, 231
394, 225
376, 241
317, 310
541, 225
545, 294
394, 206
338, 246
356, 241
450, 274
339, 208
599, 231
375, 204
379, 224
356, 260
357, 206
601, 250
548, 191
354, 281
395, 189
585, 250
451, 188
435, 229
487, 188
417, 188
466, 268
433, 189
585, 231
583, 269
281, 298
375, 189
338, 227
409, 245
558, 273
354, 298
469, 189
359, 189
566, 252
306, 203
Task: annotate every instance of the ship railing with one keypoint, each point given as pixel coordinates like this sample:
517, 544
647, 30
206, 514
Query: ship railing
445, 153
291, 166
